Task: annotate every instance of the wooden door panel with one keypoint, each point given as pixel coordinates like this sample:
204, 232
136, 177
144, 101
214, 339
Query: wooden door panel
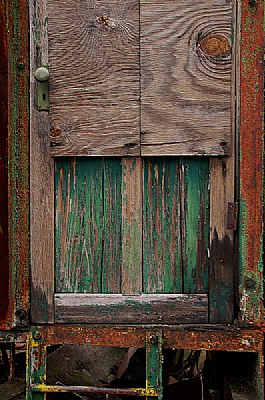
94, 77
186, 53
129, 226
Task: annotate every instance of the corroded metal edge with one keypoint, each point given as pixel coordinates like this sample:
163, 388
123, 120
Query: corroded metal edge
16, 19
251, 162
185, 337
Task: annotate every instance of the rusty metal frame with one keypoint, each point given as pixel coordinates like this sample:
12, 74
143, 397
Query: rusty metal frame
251, 162
15, 45
15, 268
209, 337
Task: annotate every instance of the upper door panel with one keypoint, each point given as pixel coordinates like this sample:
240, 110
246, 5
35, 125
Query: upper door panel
140, 77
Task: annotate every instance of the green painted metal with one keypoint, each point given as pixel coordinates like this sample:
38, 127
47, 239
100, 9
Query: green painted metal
162, 269
154, 361
88, 225
36, 364
195, 222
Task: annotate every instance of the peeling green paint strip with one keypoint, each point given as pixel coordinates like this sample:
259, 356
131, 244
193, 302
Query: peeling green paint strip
161, 226
195, 231
88, 225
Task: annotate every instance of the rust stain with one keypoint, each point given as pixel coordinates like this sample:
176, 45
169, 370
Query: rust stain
4, 282
208, 337
215, 45
14, 71
251, 151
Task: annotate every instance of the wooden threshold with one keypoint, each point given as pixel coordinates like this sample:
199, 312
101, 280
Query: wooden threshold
118, 309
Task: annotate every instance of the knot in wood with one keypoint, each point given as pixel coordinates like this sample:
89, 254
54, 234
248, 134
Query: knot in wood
104, 21
215, 45
55, 133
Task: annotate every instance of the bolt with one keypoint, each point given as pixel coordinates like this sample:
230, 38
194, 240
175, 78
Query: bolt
20, 65
37, 335
153, 339
250, 283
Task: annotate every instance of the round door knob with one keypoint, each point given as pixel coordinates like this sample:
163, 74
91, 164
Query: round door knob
42, 74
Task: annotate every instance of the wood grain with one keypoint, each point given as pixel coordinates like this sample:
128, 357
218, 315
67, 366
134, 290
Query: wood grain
41, 180
222, 272
195, 214
94, 77
186, 77
132, 204
168, 309
88, 225
162, 264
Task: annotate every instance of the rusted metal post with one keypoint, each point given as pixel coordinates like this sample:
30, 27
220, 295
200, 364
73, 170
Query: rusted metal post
251, 161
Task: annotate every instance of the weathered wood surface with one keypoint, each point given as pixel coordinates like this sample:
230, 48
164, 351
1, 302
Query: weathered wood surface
132, 205
41, 180
162, 264
195, 179
94, 77
168, 309
222, 272
88, 225
186, 77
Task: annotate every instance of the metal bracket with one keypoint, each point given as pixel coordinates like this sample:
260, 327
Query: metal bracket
42, 76
232, 216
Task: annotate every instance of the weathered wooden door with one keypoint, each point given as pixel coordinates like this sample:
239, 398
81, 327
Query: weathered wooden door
132, 167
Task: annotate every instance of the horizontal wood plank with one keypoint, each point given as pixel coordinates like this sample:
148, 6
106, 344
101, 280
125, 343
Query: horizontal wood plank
186, 49
118, 309
94, 77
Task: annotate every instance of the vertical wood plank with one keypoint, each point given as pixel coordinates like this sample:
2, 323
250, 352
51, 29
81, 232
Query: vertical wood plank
94, 65
186, 51
195, 224
41, 179
162, 263
222, 192
88, 225
112, 226
79, 225
132, 225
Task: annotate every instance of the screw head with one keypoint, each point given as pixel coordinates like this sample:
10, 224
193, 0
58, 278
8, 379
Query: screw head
37, 335
153, 339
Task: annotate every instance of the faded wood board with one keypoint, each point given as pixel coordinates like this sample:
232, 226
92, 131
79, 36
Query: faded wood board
186, 51
41, 180
94, 77
195, 214
167, 309
223, 252
132, 205
88, 225
162, 265
222, 257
